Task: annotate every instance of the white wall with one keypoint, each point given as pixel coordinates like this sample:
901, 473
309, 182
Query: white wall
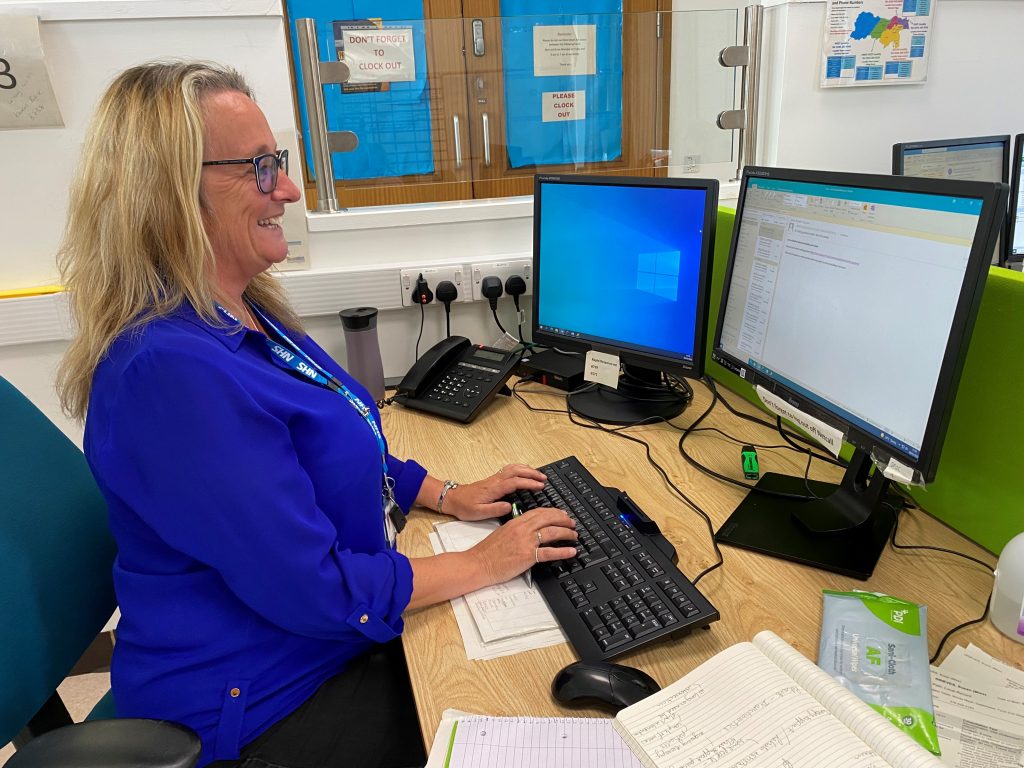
975, 60
973, 89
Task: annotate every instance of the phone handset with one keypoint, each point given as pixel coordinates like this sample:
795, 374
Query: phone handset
434, 361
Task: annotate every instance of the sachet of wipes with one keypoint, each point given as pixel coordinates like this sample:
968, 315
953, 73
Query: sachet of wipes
877, 646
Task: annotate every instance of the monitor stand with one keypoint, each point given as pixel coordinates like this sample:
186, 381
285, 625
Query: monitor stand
844, 531
641, 396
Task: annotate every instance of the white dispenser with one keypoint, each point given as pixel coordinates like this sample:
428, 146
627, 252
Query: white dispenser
1007, 608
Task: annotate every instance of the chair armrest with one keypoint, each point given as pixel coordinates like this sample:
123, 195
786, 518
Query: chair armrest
117, 743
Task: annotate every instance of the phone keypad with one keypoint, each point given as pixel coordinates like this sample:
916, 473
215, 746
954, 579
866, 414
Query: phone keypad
462, 385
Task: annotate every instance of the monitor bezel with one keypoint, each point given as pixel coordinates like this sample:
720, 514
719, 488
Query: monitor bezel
1015, 185
968, 302
642, 358
899, 151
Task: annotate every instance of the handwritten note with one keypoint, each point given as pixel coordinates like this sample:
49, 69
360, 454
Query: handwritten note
26, 95
743, 708
502, 610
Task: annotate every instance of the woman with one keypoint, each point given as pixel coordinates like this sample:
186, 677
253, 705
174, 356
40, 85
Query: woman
250, 490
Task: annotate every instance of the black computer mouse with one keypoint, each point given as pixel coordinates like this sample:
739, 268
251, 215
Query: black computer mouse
614, 685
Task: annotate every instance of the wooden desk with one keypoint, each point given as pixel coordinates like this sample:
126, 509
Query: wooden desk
752, 592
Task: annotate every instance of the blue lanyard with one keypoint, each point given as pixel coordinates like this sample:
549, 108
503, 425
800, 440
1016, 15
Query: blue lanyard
309, 368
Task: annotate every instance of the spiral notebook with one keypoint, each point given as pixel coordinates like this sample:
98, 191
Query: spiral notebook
755, 705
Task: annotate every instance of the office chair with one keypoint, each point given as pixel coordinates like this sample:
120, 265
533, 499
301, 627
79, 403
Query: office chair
56, 594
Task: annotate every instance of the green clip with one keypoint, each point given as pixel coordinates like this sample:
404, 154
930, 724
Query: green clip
748, 455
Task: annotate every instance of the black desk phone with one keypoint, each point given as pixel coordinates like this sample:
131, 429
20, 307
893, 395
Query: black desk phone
456, 378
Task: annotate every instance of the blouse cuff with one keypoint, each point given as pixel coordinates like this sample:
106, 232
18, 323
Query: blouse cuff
408, 476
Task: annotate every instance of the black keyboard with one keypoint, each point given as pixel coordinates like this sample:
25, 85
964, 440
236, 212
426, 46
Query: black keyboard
622, 590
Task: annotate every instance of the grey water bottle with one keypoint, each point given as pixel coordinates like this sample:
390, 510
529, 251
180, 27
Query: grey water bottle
363, 348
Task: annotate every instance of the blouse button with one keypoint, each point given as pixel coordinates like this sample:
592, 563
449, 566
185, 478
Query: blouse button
363, 619
235, 693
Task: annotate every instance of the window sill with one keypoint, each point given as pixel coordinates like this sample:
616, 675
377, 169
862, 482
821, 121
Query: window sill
426, 213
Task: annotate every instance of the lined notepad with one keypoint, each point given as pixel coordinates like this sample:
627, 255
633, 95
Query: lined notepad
524, 742
764, 704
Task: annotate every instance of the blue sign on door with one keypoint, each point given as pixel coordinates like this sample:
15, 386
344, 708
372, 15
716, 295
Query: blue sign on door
391, 118
562, 64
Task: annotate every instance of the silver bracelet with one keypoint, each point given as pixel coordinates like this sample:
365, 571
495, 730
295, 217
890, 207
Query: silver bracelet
448, 485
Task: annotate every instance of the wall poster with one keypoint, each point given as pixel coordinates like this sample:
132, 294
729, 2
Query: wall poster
876, 42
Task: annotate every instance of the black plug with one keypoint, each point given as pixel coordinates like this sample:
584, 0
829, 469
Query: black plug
490, 287
446, 294
515, 287
422, 294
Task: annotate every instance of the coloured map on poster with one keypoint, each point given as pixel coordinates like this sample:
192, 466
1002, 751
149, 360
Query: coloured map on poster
876, 42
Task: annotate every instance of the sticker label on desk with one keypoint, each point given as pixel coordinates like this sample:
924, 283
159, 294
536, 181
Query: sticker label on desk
602, 368
827, 435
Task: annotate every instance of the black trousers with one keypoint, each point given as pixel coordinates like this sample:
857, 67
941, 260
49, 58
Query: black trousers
363, 717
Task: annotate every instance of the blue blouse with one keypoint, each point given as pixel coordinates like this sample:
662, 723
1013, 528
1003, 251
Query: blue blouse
246, 503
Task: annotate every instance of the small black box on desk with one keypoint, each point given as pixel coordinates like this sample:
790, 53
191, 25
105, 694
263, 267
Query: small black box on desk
554, 369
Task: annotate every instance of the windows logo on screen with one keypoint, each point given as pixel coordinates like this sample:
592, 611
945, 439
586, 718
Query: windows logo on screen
658, 273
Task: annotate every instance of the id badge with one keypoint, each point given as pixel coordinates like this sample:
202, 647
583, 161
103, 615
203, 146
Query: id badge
394, 521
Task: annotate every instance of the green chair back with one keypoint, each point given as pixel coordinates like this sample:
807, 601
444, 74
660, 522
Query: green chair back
56, 555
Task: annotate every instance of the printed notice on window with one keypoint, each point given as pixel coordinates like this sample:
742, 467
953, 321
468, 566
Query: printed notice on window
564, 49
375, 54
26, 95
564, 105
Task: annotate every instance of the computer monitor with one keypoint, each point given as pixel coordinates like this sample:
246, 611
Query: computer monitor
852, 298
1015, 253
979, 158
622, 265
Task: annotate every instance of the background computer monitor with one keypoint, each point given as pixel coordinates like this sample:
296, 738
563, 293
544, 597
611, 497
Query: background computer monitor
979, 158
1015, 252
623, 265
852, 297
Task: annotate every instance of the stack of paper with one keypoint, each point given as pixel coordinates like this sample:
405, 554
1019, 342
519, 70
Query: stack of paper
499, 620
979, 710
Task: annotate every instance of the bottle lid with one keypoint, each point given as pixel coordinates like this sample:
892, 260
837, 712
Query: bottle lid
358, 318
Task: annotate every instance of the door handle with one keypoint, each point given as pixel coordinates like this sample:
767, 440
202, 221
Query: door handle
487, 139
458, 142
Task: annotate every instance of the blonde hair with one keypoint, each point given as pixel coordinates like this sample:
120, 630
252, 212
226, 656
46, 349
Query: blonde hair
134, 246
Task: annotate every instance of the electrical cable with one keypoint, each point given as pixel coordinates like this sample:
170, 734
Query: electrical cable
422, 315
715, 398
618, 431
988, 601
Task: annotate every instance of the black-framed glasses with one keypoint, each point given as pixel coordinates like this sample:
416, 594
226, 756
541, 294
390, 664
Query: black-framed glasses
265, 166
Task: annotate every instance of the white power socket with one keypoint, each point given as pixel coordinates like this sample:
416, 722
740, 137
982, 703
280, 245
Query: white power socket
433, 276
502, 270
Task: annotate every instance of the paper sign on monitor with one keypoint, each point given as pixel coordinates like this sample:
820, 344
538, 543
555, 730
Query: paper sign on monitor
602, 368
828, 436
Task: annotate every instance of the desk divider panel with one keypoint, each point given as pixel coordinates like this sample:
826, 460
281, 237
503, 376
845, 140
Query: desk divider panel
978, 488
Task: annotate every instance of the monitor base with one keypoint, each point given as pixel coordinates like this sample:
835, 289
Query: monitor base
641, 396
767, 524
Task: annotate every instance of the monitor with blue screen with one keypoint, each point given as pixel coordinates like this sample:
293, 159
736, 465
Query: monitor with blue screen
852, 298
622, 265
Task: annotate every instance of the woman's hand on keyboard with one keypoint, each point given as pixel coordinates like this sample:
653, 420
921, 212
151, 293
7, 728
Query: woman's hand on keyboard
525, 541
483, 499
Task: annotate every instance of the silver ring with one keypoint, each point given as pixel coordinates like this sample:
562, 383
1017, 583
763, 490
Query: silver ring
539, 539
536, 555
